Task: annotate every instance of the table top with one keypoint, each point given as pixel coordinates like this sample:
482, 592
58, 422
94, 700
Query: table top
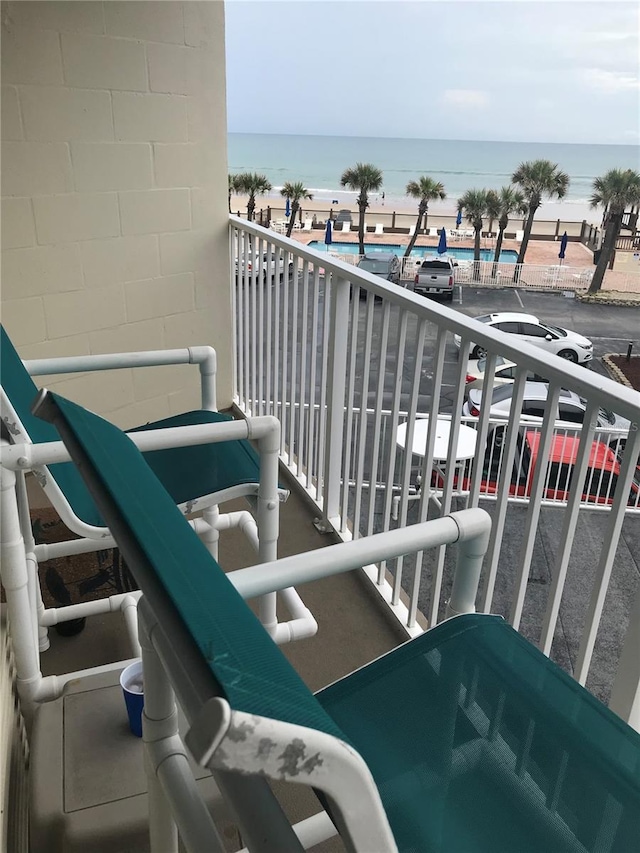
467, 438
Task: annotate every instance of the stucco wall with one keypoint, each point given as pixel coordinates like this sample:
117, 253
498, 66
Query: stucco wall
114, 192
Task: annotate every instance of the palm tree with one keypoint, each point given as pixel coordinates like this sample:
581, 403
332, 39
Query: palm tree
473, 204
426, 189
252, 184
510, 201
537, 178
493, 208
616, 190
295, 193
234, 187
366, 178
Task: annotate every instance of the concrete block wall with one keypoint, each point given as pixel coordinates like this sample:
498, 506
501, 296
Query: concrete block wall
114, 193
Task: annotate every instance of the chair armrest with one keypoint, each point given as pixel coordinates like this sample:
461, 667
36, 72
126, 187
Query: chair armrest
26, 456
203, 356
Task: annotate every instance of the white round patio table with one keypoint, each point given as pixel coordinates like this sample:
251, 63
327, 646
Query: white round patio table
467, 438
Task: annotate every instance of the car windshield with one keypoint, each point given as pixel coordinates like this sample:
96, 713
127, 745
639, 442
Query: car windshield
561, 332
603, 414
482, 362
484, 318
502, 392
375, 266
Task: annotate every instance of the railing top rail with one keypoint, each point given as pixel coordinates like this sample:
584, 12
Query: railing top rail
624, 401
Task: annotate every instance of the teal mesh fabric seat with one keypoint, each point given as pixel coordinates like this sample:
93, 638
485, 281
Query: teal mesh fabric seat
187, 473
476, 741
253, 673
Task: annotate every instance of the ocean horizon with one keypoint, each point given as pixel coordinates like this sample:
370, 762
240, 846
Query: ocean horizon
319, 161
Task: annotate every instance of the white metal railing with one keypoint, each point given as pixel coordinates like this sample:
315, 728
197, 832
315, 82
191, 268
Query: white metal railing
308, 343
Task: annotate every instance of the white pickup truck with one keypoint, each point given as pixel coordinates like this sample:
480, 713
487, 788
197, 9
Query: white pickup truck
435, 275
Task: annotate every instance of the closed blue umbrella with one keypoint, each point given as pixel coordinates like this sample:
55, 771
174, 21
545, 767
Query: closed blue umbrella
327, 233
563, 246
459, 219
287, 208
442, 245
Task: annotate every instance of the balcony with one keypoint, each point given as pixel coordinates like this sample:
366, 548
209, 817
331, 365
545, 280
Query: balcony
343, 360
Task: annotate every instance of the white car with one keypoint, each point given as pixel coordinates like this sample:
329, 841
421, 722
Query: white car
553, 339
505, 373
265, 264
571, 409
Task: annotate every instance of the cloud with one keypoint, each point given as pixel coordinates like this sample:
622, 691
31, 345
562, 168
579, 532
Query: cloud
465, 98
610, 82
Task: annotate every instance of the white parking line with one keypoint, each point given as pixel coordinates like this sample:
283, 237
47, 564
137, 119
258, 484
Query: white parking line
518, 298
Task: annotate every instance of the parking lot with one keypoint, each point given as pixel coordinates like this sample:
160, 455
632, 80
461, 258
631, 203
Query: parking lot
611, 328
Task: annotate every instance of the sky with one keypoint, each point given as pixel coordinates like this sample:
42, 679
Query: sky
513, 70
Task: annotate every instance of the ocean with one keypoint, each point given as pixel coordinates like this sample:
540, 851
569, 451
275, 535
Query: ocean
319, 161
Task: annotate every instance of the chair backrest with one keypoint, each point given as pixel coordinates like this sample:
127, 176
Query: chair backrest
346, 226
177, 573
62, 482
379, 228
308, 224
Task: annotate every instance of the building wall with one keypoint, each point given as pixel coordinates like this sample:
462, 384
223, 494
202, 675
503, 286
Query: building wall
114, 193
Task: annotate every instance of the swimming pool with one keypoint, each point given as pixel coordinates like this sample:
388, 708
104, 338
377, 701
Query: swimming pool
507, 256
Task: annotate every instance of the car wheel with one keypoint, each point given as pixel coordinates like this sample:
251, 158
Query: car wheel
478, 352
569, 354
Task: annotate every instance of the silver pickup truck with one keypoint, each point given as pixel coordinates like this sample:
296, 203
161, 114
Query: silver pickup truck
435, 275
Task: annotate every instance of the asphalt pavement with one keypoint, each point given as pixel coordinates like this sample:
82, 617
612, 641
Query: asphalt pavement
611, 328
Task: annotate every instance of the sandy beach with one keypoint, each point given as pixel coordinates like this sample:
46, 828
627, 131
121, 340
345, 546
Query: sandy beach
440, 213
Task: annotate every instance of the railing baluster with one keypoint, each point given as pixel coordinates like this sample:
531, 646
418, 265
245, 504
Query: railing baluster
303, 362
312, 470
347, 452
377, 418
284, 370
406, 467
275, 355
234, 256
569, 524
447, 492
294, 362
533, 513
336, 400
392, 426
504, 484
322, 419
269, 359
427, 467
364, 422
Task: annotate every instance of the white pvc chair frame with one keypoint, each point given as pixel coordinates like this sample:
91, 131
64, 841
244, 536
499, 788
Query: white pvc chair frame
19, 564
226, 741
263, 536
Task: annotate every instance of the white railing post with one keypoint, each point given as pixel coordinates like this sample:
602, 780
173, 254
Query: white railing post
338, 337
625, 696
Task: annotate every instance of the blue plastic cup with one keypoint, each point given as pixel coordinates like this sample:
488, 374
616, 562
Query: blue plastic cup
133, 691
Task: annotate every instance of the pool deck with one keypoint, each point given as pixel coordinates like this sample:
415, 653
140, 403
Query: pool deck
618, 288
540, 252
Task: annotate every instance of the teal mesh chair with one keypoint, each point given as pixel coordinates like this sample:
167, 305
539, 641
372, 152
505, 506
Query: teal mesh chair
198, 478
464, 739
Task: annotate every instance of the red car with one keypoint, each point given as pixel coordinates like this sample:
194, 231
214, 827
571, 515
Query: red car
599, 485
